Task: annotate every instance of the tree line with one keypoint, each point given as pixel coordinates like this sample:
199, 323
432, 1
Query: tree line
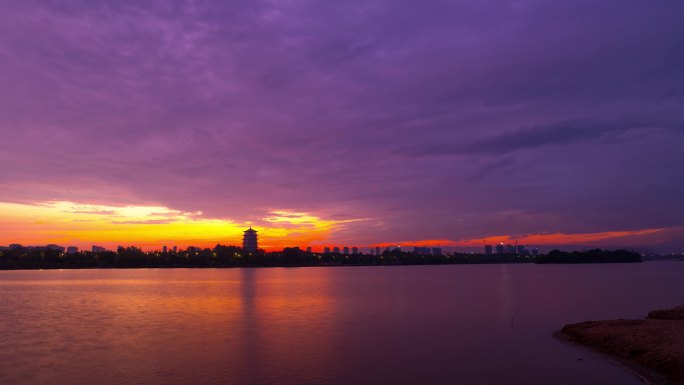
233, 256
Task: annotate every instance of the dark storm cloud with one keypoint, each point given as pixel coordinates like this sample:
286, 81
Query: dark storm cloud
237, 108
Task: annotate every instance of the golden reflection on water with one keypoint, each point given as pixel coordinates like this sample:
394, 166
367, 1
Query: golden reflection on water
142, 320
375, 325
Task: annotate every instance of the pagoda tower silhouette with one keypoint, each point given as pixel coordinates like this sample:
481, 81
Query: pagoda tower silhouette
249, 240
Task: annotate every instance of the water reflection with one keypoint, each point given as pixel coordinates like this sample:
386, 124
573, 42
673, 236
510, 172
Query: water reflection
248, 353
506, 295
375, 325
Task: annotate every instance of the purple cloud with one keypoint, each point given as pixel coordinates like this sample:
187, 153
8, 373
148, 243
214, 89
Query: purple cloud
437, 120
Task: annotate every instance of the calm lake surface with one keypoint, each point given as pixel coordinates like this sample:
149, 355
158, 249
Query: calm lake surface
470, 324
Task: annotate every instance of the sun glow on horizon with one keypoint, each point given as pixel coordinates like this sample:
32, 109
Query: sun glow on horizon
149, 227
530, 239
152, 226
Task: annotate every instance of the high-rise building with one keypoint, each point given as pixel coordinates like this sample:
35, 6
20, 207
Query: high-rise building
510, 249
488, 249
520, 250
326, 250
165, 249
97, 249
535, 251
54, 247
308, 249
175, 249
436, 251
345, 250
72, 250
336, 249
377, 250
422, 250
355, 250
500, 248
249, 240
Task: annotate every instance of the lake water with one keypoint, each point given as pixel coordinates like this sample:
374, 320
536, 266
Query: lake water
470, 324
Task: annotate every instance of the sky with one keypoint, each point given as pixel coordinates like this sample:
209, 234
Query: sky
354, 123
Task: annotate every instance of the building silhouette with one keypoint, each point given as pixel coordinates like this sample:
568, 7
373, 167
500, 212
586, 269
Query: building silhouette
249, 240
421, 250
500, 249
326, 250
488, 249
54, 247
346, 250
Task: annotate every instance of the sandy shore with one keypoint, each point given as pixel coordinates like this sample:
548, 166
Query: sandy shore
652, 347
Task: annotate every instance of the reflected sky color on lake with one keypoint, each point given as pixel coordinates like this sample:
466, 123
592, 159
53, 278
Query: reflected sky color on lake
362, 325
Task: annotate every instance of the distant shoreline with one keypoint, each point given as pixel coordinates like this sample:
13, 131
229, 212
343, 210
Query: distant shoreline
232, 256
289, 266
298, 266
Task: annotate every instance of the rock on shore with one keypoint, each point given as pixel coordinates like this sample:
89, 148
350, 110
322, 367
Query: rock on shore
654, 347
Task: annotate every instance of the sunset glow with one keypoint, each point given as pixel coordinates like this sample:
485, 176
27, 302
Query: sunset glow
558, 239
359, 124
83, 225
150, 227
